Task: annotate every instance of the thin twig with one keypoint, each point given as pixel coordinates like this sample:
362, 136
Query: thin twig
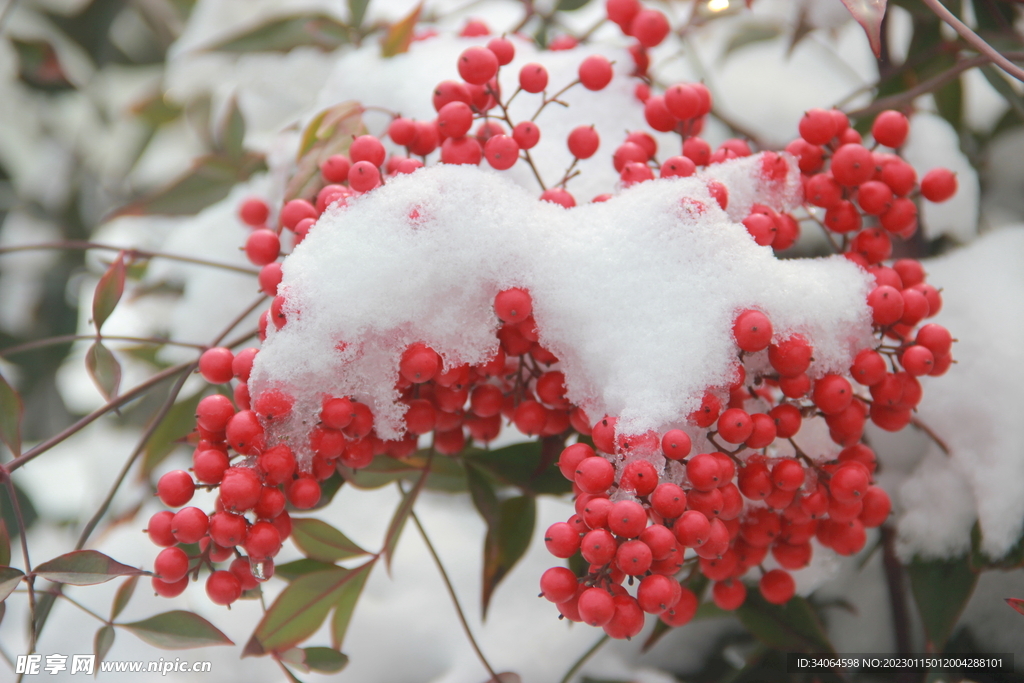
67, 338
905, 97
975, 40
508, 120
932, 435
583, 658
455, 599
132, 253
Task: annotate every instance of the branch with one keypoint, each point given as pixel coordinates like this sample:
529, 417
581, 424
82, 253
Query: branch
975, 40
455, 599
583, 659
132, 253
29, 579
67, 338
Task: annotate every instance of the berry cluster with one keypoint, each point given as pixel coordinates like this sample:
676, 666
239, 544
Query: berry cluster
647, 507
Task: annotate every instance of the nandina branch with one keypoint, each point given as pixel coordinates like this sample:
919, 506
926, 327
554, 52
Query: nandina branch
918, 424
975, 40
67, 338
455, 599
508, 120
584, 657
131, 253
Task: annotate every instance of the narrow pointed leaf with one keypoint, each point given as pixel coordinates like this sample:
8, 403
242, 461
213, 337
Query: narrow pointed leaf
123, 595
11, 409
868, 14
84, 568
300, 609
484, 498
5, 545
1016, 603
749, 35
329, 133
325, 660
356, 12
102, 642
399, 36
941, 590
28, 510
104, 370
793, 626
108, 292
9, 580
232, 132
346, 604
507, 542
287, 33
208, 181
176, 425
293, 570
177, 630
321, 541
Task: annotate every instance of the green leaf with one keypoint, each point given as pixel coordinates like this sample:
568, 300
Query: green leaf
868, 14
9, 580
123, 595
104, 370
941, 590
11, 409
208, 181
176, 425
750, 34
102, 642
287, 33
325, 660
293, 570
320, 541
28, 510
793, 626
84, 568
506, 542
108, 292
345, 604
330, 132
177, 630
356, 12
524, 466
299, 610
5, 545
399, 35
570, 5
484, 498
232, 132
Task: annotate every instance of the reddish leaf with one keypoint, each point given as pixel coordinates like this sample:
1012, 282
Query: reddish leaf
84, 568
5, 545
177, 630
123, 595
868, 14
299, 610
506, 542
1016, 603
330, 132
11, 409
9, 580
321, 541
104, 370
399, 36
108, 292
102, 642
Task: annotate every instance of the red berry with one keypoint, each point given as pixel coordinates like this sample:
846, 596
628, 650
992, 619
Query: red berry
938, 185
598, 546
172, 589
254, 211
823, 190
562, 540
627, 518
752, 331
533, 78
692, 529
304, 493
683, 611
171, 564
363, 176
558, 584
595, 73
239, 489
788, 474
367, 148
668, 500
419, 363
503, 49
936, 339
868, 367
501, 152
263, 541
526, 134
401, 131
832, 394
777, 586
817, 126
649, 27
657, 115
223, 587
455, 119
729, 594
596, 606
583, 142
189, 525
890, 128
175, 488
790, 357
215, 364
335, 168
900, 217
886, 305
735, 425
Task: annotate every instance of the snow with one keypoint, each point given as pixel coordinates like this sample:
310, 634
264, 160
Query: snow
636, 296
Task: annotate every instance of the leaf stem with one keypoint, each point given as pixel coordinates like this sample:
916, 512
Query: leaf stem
67, 338
20, 520
455, 599
583, 658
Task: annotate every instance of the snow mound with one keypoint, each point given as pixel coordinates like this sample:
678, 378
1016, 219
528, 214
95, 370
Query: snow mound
636, 295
